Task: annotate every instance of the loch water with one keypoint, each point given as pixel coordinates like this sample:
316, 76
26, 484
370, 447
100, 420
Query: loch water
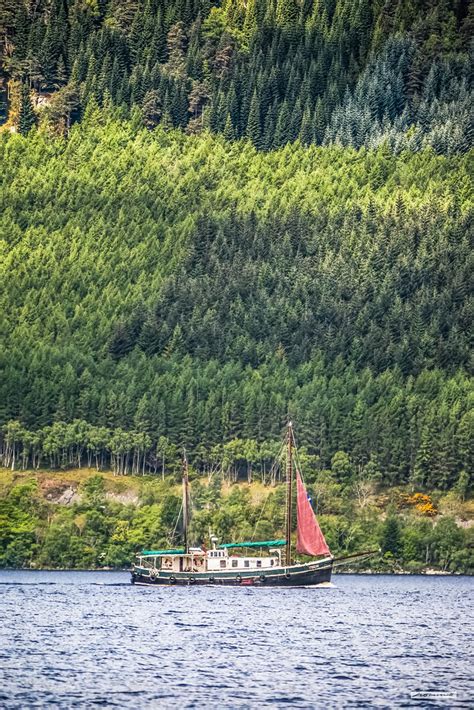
92, 640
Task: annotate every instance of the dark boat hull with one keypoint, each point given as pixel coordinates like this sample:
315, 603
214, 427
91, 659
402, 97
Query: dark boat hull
304, 575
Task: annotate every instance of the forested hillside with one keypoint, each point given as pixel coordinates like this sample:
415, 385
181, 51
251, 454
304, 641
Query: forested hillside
355, 72
217, 215
161, 291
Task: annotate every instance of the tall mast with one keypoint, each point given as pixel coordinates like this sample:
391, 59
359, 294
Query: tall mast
185, 503
289, 485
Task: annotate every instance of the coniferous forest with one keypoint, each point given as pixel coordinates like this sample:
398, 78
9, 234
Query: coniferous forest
219, 215
351, 72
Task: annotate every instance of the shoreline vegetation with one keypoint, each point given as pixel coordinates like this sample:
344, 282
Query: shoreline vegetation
85, 520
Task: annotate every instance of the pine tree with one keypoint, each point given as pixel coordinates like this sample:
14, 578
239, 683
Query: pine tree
319, 122
27, 117
49, 55
233, 107
296, 119
254, 130
269, 129
21, 32
391, 537
229, 132
306, 131
60, 78
114, 79
283, 126
159, 39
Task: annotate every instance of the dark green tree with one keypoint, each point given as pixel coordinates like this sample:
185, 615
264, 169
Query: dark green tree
254, 130
391, 537
27, 116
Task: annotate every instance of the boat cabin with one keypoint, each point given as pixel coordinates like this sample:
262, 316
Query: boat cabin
221, 560
218, 559
174, 560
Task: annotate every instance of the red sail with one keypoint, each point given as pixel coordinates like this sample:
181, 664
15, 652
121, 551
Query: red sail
310, 540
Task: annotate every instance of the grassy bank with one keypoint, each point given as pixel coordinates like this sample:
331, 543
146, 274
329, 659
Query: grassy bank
84, 519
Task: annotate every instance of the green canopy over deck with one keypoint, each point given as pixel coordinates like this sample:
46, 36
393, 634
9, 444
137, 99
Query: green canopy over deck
264, 543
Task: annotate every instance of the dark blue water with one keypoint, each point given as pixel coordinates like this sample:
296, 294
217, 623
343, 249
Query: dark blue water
89, 639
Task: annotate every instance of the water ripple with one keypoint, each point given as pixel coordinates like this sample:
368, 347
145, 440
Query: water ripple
91, 640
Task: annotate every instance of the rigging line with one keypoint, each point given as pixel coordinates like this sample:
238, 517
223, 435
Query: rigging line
298, 466
176, 523
259, 516
297, 457
268, 494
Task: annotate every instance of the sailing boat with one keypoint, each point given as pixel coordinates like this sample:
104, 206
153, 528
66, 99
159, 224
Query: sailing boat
232, 563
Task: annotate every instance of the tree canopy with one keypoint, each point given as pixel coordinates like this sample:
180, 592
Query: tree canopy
324, 71
158, 287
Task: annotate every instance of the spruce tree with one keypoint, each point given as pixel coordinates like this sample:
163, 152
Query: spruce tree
306, 131
254, 130
27, 117
283, 126
269, 129
319, 122
21, 32
296, 119
229, 132
391, 537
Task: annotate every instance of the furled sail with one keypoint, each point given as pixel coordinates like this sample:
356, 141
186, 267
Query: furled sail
310, 540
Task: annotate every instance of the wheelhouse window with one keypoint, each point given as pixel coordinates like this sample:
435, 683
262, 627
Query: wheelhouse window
259, 563
246, 563
235, 563
223, 563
